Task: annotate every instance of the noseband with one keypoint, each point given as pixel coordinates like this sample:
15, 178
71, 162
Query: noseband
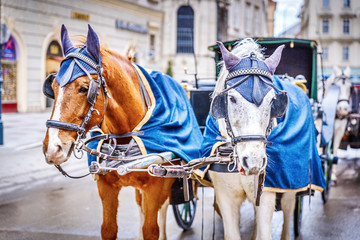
93, 93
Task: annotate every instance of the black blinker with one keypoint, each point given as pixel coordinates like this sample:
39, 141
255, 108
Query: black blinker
218, 108
47, 88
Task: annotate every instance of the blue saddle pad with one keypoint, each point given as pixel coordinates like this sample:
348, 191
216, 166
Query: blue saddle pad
170, 123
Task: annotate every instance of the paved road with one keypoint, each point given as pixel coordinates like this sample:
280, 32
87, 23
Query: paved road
70, 209
36, 202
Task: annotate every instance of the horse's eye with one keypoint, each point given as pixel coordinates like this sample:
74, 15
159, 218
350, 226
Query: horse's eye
83, 90
232, 99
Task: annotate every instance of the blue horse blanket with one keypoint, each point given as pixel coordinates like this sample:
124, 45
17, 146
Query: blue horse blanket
293, 159
170, 123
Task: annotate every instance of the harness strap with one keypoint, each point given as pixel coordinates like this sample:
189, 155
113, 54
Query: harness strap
248, 138
343, 100
65, 126
108, 136
144, 94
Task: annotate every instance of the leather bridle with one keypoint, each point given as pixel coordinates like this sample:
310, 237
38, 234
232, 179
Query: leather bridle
343, 79
93, 93
259, 75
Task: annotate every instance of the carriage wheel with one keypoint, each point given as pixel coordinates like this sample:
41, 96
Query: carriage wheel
185, 213
298, 215
327, 168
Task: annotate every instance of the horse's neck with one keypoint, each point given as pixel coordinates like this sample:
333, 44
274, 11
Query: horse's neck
328, 83
125, 108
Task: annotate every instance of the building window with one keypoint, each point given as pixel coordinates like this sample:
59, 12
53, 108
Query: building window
346, 3
345, 53
325, 25
325, 53
185, 30
248, 18
346, 26
236, 11
326, 3
152, 47
257, 21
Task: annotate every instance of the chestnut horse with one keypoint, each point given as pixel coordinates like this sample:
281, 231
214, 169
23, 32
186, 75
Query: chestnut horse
117, 109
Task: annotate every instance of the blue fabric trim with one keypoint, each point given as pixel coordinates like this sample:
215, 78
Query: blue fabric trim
70, 67
173, 125
246, 88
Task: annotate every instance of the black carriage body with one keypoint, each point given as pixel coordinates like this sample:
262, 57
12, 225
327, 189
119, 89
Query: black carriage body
298, 57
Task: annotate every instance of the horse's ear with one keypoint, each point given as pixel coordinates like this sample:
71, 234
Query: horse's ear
347, 72
92, 44
65, 40
273, 61
337, 71
230, 59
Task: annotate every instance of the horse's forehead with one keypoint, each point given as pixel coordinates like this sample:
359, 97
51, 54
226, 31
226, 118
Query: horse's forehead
70, 70
243, 105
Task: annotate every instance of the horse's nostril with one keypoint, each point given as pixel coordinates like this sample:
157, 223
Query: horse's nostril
244, 162
59, 148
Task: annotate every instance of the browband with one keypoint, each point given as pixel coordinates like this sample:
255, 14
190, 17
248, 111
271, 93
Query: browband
249, 71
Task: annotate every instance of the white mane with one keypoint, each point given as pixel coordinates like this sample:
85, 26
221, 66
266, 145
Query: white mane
241, 49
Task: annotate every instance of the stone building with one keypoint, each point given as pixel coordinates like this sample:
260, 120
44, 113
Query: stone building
335, 25
157, 33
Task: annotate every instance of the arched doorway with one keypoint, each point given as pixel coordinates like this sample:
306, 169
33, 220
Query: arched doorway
54, 57
9, 70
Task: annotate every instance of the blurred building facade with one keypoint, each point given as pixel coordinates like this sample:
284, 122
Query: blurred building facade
158, 34
335, 25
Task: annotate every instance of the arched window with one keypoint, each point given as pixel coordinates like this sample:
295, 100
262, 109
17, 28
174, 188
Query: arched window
185, 30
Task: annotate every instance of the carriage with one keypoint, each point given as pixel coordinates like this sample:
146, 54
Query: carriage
117, 161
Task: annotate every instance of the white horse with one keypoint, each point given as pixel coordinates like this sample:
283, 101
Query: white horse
342, 79
247, 119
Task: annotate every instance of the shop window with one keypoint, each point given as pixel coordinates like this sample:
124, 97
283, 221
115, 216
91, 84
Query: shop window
54, 57
8, 74
185, 30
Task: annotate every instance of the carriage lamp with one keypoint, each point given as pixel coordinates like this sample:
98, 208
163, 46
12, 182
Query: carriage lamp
4, 36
